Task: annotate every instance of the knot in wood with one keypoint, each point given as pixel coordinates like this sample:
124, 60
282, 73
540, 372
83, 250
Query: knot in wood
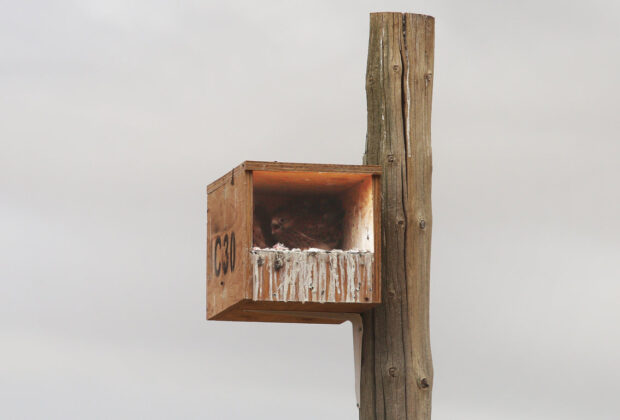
422, 224
428, 76
392, 372
424, 383
396, 68
391, 158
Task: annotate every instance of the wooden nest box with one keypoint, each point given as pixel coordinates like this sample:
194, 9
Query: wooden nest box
290, 242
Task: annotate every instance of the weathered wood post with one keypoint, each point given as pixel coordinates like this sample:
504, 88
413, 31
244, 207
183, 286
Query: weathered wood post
397, 370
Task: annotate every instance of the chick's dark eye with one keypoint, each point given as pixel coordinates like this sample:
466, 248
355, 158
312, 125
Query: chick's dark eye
281, 220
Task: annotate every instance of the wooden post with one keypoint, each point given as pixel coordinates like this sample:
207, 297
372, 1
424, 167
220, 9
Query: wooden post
397, 370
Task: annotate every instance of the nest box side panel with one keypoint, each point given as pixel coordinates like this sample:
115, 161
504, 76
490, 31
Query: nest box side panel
358, 223
377, 197
228, 241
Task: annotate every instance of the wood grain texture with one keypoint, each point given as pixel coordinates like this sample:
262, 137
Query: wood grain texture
287, 312
306, 182
227, 218
397, 371
251, 165
359, 223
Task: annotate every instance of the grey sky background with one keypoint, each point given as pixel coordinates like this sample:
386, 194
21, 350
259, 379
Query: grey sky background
115, 115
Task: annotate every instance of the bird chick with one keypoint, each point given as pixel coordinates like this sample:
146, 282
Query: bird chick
310, 223
261, 230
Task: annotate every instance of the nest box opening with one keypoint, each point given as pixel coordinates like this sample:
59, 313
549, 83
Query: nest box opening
306, 210
285, 240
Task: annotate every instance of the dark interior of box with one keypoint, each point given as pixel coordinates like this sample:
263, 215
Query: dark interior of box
313, 210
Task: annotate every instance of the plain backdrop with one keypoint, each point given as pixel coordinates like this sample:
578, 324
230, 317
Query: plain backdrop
115, 115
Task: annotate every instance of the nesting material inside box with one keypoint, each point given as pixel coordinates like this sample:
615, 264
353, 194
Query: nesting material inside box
303, 210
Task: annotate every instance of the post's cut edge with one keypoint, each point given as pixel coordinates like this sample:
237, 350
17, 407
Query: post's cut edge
402, 14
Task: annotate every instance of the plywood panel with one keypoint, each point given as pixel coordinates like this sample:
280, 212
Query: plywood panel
305, 182
250, 165
358, 222
292, 312
309, 276
228, 241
